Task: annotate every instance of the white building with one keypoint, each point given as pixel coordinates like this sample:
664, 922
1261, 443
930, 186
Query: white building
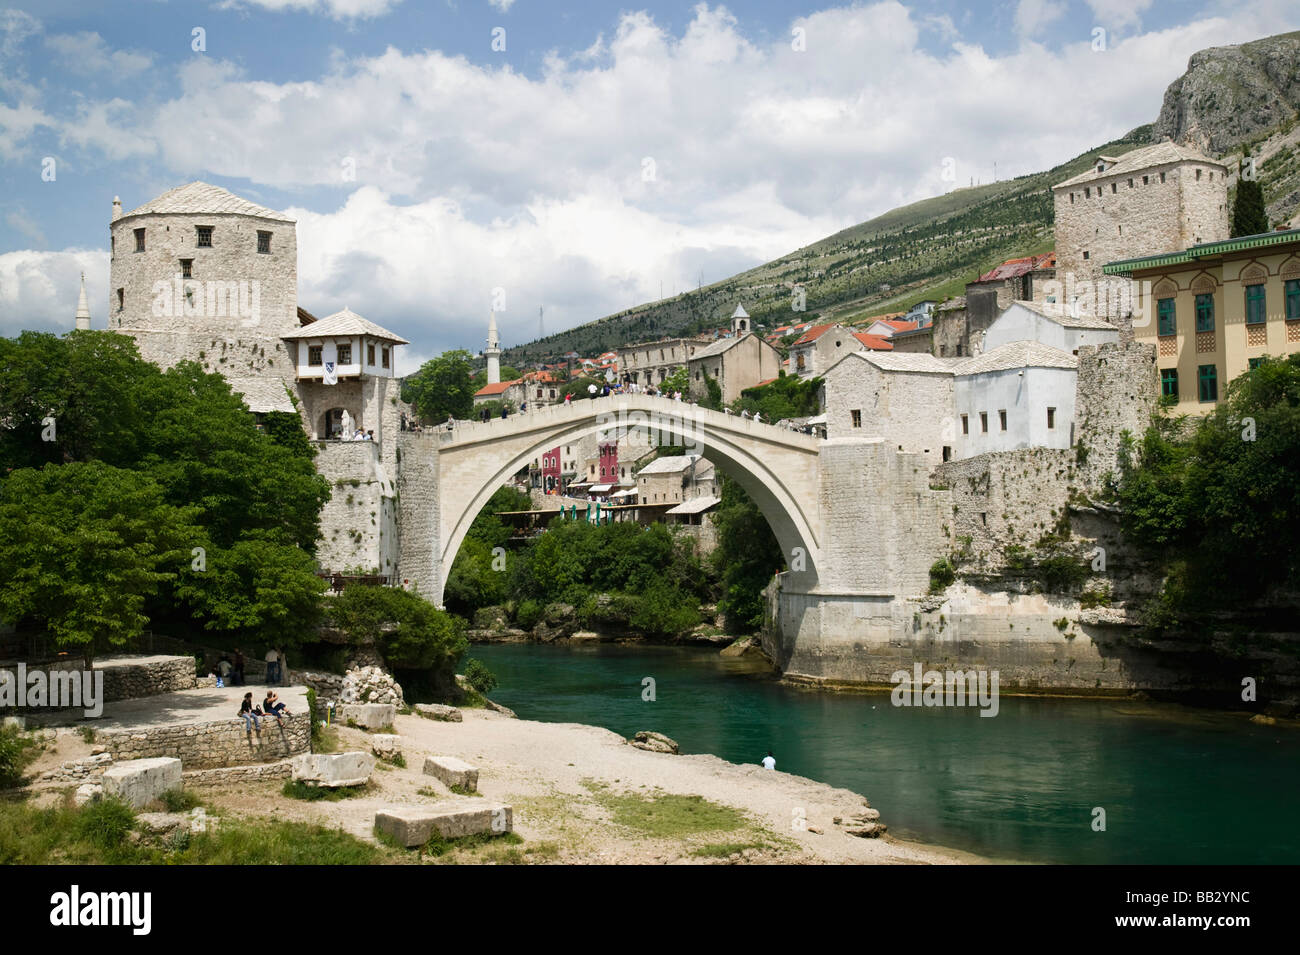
1019, 395
1048, 324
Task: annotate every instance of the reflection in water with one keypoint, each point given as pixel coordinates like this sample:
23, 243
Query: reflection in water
1177, 785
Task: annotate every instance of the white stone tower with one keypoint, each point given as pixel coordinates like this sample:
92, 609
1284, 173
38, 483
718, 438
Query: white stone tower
493, 351
739, 321
199, 273
83, 309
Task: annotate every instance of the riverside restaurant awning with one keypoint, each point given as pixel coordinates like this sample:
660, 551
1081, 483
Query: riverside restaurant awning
695, 505
599, 488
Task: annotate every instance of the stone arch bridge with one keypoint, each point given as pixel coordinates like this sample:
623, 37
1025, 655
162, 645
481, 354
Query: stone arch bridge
445, 477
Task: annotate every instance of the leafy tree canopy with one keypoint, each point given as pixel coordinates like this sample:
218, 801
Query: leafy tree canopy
789, 396
442, 388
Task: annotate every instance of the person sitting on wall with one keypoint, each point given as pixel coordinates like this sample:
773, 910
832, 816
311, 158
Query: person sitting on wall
250, 714
271, 706
370, 436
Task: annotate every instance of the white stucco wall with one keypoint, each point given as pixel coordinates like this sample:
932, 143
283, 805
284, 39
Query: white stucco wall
1020, 324
1025, 394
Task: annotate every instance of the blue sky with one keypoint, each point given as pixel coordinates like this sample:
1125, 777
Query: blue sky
605, 153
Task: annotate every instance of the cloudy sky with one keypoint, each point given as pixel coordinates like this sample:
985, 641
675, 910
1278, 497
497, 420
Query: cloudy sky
578, 156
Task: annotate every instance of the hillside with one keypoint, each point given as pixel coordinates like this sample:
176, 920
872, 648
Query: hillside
1230, 101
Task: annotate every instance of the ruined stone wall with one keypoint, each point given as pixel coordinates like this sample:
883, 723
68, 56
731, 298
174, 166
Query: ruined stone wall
212, 744
1118, 392
129, 677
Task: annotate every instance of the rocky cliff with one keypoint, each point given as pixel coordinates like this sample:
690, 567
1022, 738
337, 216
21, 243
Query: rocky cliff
1232, 94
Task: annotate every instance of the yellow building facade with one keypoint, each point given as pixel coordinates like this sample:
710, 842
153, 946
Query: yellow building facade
1214, 310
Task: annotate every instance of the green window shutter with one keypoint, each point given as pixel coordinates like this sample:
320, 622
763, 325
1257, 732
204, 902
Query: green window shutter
1205, 313
1255, 310
1208, 382
1169, 382
1293, 300
1168, 322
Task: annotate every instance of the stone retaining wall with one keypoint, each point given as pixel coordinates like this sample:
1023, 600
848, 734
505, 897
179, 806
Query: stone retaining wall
127, 679
228, 774
212, 744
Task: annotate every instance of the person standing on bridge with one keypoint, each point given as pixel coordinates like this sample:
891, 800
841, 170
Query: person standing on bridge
769, 761
451, 423
504, 411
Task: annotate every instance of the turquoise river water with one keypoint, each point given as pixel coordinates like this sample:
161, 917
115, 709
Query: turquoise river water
1178, 786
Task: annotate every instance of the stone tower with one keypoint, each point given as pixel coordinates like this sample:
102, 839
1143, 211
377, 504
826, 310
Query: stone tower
83, 308
200, 274
493, 351
1154, 199
739, 321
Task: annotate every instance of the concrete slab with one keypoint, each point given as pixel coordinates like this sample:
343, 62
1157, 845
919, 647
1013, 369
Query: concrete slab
413, 826
439, 711
371, 716
333, 770
451, 771
138, 782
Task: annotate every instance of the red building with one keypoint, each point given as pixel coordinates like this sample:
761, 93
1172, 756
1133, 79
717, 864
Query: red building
551, 471
609, 462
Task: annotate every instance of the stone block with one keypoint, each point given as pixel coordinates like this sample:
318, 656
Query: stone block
413, 826
451, 771
371, 716
139, 782
439, 711
87, 792
333, 770
386, 746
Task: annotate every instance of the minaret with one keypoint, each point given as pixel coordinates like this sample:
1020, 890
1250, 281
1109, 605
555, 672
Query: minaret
83, 310
493, 351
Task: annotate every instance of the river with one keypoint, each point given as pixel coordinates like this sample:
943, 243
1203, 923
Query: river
1178, 785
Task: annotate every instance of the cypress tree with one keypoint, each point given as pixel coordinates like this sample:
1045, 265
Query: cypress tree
1248, 216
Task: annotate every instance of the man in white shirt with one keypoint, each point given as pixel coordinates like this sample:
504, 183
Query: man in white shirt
769, 761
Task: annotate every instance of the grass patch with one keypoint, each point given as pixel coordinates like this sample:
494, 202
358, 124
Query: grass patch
297, 789
669, 815
464, 791
101, 833
724, 850
179, 800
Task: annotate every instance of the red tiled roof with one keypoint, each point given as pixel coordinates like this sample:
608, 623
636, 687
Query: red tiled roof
1014, 268
814, 333
874, 342
495, 389
765, 381
896, 324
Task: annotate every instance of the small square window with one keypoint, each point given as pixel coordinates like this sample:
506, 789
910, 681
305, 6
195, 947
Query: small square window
187, 268
344, 354
856, 415
139, 240
1253, 363
1146, 180
1086, 255
264, 242
204, 240
1002, 419
1169, 382
314, 354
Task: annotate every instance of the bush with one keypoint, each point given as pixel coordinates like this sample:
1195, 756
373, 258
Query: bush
529, 614
942, 574
479, 677
105, 823
409, 632
15, 754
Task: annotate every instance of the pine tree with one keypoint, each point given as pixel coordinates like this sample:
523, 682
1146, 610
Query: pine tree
1248, 216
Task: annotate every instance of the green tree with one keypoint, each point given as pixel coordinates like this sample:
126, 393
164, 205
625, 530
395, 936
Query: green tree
1201, 502
409, 632
83, 547
285, 429
258, 590
1248, 212
789, 396
442, 388
746, 557
679, 380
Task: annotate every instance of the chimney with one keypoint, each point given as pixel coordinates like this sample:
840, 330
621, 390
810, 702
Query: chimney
117, 208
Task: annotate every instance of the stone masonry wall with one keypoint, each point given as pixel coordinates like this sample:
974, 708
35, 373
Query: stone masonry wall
1118, 390
417, 494
126, 678
212, 744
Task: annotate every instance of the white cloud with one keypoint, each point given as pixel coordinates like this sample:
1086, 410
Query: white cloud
502, 5
87, 52
109, 127
16, 26
335, 9
38, 290
16, 125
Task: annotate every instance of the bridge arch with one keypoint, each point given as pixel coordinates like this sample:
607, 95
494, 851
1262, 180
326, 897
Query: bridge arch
777, 467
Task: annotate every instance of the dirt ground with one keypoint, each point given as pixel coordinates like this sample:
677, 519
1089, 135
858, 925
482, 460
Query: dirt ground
565, 783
